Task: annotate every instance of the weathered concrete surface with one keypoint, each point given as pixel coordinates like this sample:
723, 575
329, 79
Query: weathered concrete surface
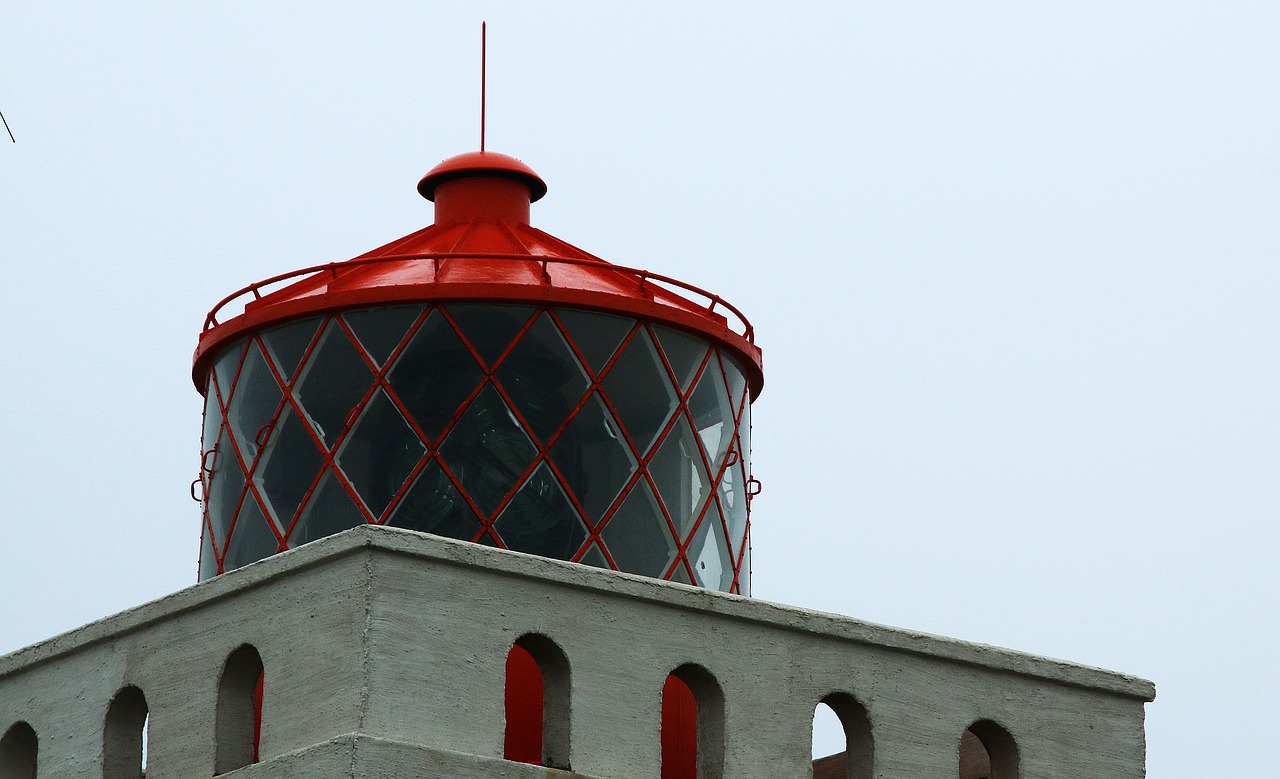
398, 640
357, 756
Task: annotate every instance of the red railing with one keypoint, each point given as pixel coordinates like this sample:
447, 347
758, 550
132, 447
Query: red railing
643, 276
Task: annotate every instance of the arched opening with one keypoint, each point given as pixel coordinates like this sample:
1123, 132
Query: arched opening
842, 746
18, 749
692, 725
123, 735
239, 715
537, 703
987, 751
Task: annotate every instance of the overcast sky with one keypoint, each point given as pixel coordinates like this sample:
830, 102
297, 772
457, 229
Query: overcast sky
1014, 268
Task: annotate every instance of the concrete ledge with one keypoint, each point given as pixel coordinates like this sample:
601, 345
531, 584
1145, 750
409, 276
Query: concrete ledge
375, 540
357, 756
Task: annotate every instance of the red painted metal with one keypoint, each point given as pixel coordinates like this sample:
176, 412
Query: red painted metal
480, 248
679, 731
482, 164
257, 714
522, 741
283, 527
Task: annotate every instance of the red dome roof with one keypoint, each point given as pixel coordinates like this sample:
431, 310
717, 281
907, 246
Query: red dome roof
481, 248
482, 163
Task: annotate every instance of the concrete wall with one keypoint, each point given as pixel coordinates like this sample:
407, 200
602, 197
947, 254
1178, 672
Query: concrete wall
384, 655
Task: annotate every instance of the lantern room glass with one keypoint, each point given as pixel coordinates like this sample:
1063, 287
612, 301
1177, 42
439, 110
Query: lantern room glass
567, 433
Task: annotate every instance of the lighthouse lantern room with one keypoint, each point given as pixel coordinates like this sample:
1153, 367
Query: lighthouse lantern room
483, 380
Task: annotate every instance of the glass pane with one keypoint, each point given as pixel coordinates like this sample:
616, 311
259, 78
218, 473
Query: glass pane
595, 558
596, 335
329, 511
681, 476
434, 374
744, 438
225, 486
539, 519
380, 330
593, 459
287, 468
709, 555
434, 505
712, 415
680, 574
208, 562
332, 382
255, 401
225, 365
487, 450
251, 539
212, 419
684, 353
638, 387
744, 573
379, 453
490, 328
287, 343
543, 378
737, 379
637, 535
733, 501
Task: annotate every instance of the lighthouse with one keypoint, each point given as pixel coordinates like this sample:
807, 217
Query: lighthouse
482, 380
476, 503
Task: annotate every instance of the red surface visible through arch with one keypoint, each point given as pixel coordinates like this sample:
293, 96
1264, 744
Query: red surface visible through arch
679, 731
257, 714
524, 701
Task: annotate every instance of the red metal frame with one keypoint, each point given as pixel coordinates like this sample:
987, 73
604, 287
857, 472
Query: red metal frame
275, 306
283, 527
483, 250
334, 268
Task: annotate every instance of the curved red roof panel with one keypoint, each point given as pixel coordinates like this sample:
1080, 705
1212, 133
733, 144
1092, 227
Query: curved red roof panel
482, 163
481, 248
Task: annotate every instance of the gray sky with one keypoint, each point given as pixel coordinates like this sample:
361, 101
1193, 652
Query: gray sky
1013, 267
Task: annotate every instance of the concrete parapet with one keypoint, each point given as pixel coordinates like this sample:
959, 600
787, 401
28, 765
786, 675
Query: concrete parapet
398, 640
